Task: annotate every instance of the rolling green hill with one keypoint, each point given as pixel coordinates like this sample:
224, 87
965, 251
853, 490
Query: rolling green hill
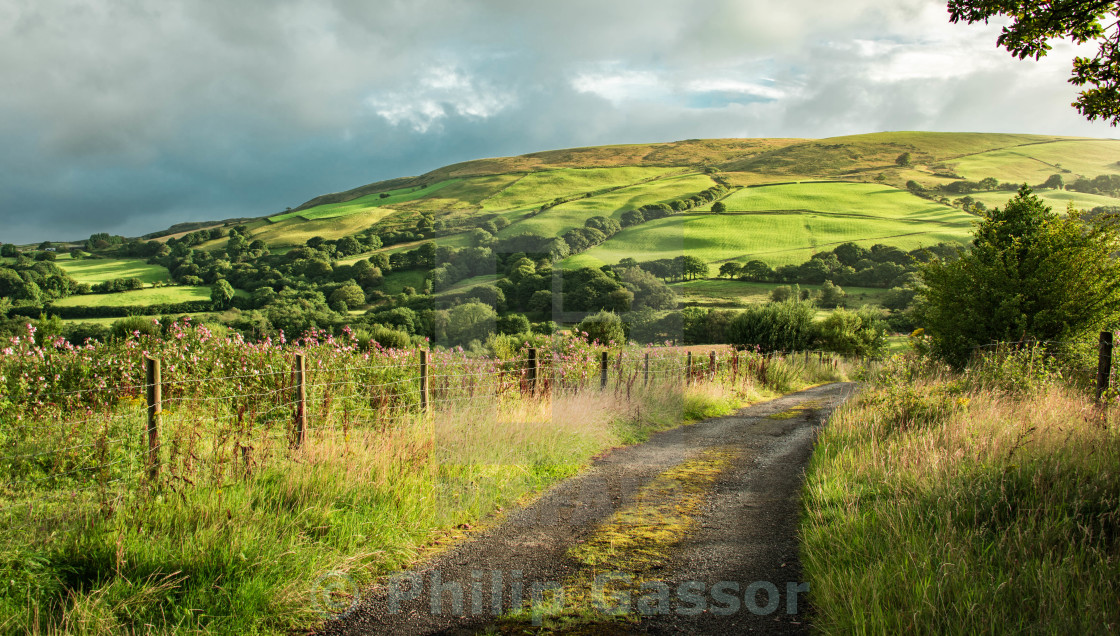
870, 202
784, 199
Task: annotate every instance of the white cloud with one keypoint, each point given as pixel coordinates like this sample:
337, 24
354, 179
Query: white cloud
622, 86
731, 85
443, 91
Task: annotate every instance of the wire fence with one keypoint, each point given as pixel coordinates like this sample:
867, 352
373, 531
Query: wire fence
169, 424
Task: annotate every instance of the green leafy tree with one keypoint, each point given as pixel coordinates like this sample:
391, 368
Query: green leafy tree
903, 160
1030, 275
693, 266
831, 295
1054, 182
348, 296
512, 324
469, 321
730, 270
719, 207
852, 333
221, 293
604, 327
1034, 24
774, 326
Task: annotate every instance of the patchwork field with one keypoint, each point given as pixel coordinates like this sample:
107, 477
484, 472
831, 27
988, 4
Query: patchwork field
139, 297
1056, 199
570, 215
784, 224
537, 188
98, 270
720, 293
790, 198
1032, 164
365, 203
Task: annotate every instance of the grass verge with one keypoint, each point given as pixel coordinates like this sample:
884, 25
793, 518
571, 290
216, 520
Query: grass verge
935, 505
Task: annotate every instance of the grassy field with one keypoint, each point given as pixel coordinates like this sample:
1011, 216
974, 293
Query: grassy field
723, 293
395, 282
364, 204
139, 297
1056, 199
964, 504
295, 231
862, 199
777, 239
537, 188
99, 270
785, 224
485, 280
1032, 164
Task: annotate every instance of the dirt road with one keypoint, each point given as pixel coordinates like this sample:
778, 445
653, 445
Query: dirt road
692, 532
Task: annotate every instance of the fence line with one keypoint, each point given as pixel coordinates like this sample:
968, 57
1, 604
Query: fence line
258, 417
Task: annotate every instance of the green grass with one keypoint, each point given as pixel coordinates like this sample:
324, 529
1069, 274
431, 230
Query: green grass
139, 297
295, 231
787, 224
856, 199
537, 188
573, 214
1032, 164
364, 204
932, 505
485, 280
240, 528
777, 239
99, 270
723, 293
395, 282
1056, 199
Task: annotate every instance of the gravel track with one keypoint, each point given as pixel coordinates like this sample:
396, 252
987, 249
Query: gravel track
744, 539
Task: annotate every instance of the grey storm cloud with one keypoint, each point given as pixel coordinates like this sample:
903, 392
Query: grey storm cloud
127, 116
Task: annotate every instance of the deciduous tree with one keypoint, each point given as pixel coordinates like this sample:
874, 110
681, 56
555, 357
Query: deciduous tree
1030, 275
1034, 24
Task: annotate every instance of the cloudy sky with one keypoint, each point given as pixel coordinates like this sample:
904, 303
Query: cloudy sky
129, 115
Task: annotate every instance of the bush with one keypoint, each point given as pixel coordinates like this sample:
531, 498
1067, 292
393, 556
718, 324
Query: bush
784, 326
851, 333
512, 324
386, 337
604, 327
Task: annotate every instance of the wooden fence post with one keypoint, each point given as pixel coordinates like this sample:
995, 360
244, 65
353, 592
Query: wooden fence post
532, 374
603, 371
155, 409
646, 370
712, 365
1104, 363
688, 370
423, 381
300, 367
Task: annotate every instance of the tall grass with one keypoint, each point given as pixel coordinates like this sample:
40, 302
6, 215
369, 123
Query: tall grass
944, 503
234, 534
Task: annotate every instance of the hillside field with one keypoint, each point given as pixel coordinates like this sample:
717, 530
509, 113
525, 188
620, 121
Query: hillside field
139, 297
99, 270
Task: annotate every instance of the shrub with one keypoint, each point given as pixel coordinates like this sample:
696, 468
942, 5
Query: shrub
851, 333
784, 326
604, 327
